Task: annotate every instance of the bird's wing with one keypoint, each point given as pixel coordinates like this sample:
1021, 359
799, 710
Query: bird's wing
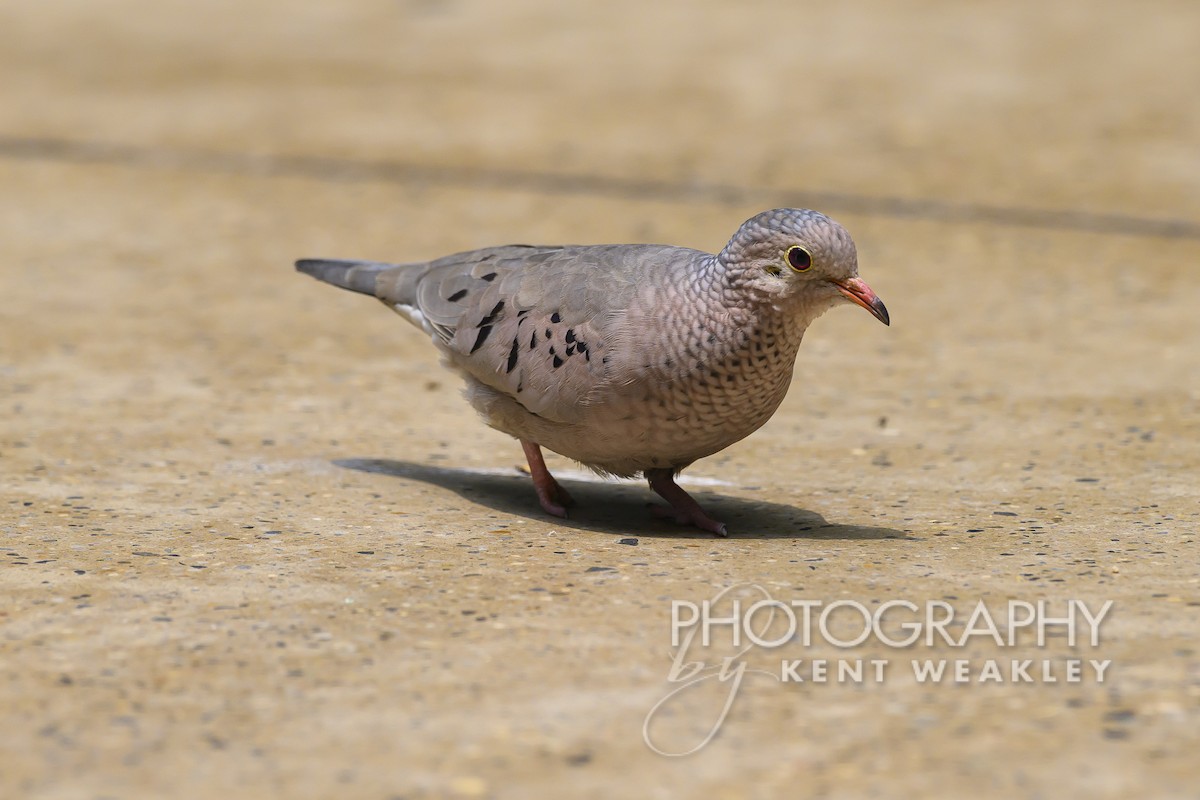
551, 327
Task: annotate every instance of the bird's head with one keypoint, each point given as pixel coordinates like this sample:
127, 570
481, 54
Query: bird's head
796, 258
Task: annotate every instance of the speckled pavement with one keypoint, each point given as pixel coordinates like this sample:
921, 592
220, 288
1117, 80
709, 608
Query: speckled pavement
256, 545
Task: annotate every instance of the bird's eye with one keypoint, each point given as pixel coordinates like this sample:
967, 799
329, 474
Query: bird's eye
798, 258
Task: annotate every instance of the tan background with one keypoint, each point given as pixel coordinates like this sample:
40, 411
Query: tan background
255, 545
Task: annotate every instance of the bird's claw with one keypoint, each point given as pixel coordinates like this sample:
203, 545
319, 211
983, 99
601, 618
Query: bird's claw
699, 520
554, 499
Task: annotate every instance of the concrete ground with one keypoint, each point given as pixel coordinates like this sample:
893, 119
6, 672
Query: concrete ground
256, 545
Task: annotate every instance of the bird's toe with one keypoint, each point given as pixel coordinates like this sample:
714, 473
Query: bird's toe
697, 519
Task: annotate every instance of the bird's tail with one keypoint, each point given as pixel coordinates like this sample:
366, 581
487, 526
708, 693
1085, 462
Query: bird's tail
357, 276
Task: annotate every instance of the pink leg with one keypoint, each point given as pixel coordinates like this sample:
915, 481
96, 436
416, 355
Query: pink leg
554, 498
686, 510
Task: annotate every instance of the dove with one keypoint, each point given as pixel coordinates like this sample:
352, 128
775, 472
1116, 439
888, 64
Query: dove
632, 358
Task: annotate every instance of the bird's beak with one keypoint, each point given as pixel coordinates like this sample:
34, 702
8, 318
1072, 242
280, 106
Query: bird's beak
858, 292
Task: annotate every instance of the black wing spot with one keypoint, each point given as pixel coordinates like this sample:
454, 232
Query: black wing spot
533, 341
556, 318
570, 335
512, 355
521, 314
490, 318
570, 349
491, 276
558, 362
459, 295
548, 334
484, 330
581, 346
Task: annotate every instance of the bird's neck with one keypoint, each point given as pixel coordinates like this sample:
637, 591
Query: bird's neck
756, 337
760, 314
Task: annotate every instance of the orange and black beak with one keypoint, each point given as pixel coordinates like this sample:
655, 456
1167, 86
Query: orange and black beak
858, 292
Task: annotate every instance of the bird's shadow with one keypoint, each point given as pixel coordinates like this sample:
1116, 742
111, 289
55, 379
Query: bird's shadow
612, 507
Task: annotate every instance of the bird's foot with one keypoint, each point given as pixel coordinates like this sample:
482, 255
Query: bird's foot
684, 509
698, 519
553, 497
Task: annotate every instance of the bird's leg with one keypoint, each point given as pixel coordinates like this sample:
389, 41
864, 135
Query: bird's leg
551, 495
686, 510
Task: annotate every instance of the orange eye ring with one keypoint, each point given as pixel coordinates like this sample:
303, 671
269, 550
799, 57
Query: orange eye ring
798, 258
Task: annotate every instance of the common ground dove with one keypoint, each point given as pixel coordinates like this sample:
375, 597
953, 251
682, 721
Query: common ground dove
628, 358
